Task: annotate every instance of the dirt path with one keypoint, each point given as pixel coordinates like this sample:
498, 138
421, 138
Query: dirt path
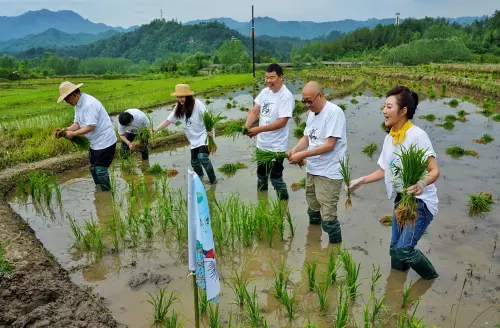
39, 293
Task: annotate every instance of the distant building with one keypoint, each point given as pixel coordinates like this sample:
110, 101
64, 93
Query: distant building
190, 39
397, 19
234, 39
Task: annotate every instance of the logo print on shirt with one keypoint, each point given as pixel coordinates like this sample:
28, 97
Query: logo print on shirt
266, 108
312, 135
188, 121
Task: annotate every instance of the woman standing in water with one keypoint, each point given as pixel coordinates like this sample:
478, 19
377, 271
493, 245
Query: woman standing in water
399, 109
190, 111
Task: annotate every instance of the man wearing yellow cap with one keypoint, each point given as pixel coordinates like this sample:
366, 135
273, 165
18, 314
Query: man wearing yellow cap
92, 121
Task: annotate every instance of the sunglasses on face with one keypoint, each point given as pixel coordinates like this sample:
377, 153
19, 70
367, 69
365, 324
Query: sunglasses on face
309, 102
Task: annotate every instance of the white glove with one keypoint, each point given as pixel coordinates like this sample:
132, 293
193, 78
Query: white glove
356, 183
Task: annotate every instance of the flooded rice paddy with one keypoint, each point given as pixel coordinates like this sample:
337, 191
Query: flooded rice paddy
460, 247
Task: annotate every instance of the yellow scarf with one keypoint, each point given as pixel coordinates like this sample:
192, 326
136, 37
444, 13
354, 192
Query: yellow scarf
399, 136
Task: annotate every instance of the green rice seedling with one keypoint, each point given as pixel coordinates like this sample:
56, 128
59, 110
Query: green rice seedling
75, 229
79, 142
311, 273
485, 139
457, 152
289, 220
143, 136
234, 130
298, 132
155, 169
343, 106
406, 294
41, 186
342, 308
5, 266
405, 321
450, 118
173, 321
413, 168
443, 90
453, 103
289, 302
354, 101
496, 118
147, 219
161, 304
345, 171
269, 227
265, 156
239, 286
386, 220
309, 324
133, 228
114, 231
278, 217
299, 185
247, 226
480, 203
322, 292
281, 276
351, 271
333, 266
370, 149
486, 111
214, 320
210, 120
231, 168
252, 309
203, 300
229, 105
378, 309
430, 117
375, 277
462, 113
92, 237
208, 102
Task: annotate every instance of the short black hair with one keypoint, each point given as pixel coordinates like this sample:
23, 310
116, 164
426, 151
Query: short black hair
275, 68
125, 118
76, 92
405, 98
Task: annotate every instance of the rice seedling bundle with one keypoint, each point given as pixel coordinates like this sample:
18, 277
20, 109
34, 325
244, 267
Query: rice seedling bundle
430, 117
413, 169
457, 152
210, 120
299, 185
231, 168
264, 157
480, 203
79, 142
486, 138
386, 220
370, 149
235, 129
345, 170
143, 136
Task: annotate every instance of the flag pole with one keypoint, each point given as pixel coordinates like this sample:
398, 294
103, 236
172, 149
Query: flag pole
196, 307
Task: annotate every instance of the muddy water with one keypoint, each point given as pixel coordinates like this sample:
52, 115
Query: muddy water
453, 242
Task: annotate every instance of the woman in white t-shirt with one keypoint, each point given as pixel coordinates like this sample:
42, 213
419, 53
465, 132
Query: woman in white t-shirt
189, 111
399, 109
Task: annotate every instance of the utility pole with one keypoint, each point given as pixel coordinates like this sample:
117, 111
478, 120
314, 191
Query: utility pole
161, 13
253, 44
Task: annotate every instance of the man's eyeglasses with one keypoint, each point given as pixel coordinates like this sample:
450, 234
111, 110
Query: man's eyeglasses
309, 102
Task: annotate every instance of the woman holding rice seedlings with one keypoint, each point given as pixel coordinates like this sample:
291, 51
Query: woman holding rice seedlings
274, 108
133, 123
190, 111
408, 165
324, 144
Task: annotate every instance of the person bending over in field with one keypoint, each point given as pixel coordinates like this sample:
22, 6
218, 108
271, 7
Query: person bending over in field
274, 108
190, 111
399, 109
132, 122
92, 121
324, 143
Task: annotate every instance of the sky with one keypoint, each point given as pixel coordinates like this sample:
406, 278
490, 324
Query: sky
126, 13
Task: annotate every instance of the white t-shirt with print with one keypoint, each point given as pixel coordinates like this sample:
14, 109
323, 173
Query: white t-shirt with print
273, 106
330, 122
90, 111
140, 121
194, 126
388, 161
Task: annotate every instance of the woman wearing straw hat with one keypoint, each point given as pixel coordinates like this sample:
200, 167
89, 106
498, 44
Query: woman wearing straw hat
190, 111
92, 121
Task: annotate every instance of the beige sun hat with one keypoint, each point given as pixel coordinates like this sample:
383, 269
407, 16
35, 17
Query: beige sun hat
66, 88
182, 90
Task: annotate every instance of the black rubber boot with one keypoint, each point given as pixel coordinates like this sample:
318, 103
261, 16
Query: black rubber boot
314, 216
280, 187
207, 165
418, 262
145, 153
94, 175
262, 182
396, 264
332, 228
197, 168
103, 177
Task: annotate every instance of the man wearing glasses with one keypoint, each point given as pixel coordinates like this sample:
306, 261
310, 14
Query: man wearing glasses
324, 143
274, 108
92, 121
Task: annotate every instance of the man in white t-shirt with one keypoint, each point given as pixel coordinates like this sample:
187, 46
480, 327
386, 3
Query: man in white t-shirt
129, 123
324, 143
274, 108
92, 121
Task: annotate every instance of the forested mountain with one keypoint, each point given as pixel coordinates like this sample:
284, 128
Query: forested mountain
308, 30
36, 22
53, 38
161, 38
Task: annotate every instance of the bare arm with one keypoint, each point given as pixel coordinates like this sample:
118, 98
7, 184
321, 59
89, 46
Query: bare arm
432, 171
84, 130
300, 146
73, 127
252, 116
125, 140
162, 125
324, 148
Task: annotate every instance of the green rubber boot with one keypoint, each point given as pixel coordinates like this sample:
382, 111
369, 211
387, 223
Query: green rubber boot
332, 228
314, 216
396, 264
280, 187
103, 177
418, 262
207, 165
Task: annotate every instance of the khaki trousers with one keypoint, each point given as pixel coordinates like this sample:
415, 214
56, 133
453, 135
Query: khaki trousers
322, 194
